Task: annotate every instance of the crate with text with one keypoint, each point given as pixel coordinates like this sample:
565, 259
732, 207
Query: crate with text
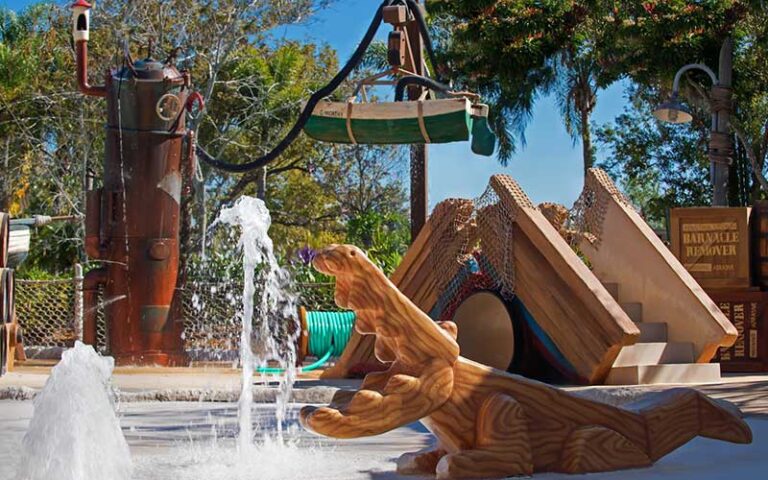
747, 310
713, 245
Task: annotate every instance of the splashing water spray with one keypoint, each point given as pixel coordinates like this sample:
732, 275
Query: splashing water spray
277, 326
75, 418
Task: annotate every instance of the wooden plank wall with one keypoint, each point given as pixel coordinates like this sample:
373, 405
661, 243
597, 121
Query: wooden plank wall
566, 299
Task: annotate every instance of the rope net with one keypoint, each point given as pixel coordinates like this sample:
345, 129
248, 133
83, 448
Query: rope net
474, 245
495, 220
587, 216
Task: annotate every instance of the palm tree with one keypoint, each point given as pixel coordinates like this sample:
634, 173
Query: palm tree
575, 89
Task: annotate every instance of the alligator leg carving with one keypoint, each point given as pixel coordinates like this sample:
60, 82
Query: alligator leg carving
502, 447
423, 462
404, 399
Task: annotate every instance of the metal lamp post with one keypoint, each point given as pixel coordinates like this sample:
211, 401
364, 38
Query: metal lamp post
720, 144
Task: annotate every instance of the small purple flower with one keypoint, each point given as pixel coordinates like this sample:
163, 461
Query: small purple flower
306, 254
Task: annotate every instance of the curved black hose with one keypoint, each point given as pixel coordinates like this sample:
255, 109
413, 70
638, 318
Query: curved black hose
337, 80
417, 80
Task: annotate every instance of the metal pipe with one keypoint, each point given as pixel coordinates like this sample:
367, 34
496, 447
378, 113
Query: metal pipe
721, 152
692, 66
91, 283
78, 303
132, 221
82, 72
43, 220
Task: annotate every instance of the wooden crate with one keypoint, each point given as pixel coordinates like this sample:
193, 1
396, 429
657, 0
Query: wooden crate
712, 243
748, 311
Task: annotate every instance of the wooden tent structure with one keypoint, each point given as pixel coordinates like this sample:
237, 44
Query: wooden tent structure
594, 324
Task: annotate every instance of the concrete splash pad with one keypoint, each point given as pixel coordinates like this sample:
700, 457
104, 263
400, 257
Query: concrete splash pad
194, 440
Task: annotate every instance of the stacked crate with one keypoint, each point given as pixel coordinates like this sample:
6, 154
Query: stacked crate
726, 251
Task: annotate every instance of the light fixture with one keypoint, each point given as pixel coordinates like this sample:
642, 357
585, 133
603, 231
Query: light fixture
672, 111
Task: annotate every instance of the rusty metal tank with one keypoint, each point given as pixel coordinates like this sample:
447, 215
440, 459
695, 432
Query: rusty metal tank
140, 210
132, 221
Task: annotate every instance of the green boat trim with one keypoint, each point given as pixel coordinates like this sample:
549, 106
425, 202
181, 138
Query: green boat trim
431, 121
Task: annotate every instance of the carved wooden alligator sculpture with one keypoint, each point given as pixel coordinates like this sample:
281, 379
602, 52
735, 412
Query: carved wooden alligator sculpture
490, 423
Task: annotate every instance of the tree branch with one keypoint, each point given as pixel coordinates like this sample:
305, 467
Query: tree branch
753, 160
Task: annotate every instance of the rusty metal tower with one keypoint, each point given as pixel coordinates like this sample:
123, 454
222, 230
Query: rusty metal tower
132, 220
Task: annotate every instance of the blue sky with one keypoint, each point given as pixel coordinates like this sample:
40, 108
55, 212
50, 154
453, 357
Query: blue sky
549, 167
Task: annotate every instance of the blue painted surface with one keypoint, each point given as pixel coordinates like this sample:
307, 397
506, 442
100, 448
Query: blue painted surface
546, 342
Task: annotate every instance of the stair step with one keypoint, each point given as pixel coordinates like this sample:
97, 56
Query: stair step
634, 310
613, 289
669, 373
655, 353
652, 332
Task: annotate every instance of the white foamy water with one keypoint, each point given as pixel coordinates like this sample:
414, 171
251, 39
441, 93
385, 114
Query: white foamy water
74, 433
207, 450
267, 460
273, 339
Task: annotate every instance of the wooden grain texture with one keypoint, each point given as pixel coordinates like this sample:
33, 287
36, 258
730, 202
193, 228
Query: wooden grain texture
568, 302
489, 423
5, 234
712, 243
758, 226
12, 350
600, 449
4, 347
632, 255
748, 312
391, 110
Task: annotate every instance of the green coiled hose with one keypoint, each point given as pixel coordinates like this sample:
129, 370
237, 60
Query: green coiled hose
328, 333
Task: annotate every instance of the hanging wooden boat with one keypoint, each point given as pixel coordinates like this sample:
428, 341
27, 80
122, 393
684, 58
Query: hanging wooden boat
424, 121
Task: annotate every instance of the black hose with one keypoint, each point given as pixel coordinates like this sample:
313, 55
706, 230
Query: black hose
414, 7
417, 80
316, 97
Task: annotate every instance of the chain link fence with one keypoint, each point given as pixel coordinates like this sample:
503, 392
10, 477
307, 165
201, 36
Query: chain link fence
211, 316
45, 309
51, 319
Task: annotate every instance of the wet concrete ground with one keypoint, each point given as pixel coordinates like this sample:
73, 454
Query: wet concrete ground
194, 440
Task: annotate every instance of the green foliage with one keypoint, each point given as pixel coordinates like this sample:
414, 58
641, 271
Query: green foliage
671, 159
305, 273
384, 237
254, 86
505, 50
515, 51
658, 165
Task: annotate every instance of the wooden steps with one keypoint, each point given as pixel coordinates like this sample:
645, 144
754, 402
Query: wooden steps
652, 332
666, 373
634, 310
623, 249
654, 359
654, 353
